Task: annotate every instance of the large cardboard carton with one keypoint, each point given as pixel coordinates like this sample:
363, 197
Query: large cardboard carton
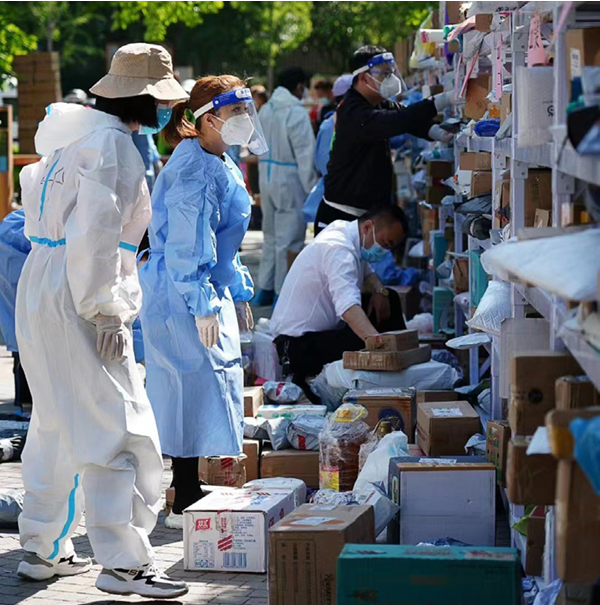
582, 47
434, 194
402, 340
529, 479
423, 396
475, 160
536, 540
558, 425
254, 397
303, 465
498, 437
228, 471
417, 575
251, 449
439, 169
395, 403
443, 428
533, 387
476, 97
460, 272
304, 548
444, 497
505, 106
577, 526
386, 361
481, 182
228, 529
538, 193
573, 392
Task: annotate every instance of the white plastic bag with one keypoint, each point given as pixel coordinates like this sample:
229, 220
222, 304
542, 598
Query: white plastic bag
377, 465
282, 392
303, 432
493, 309
535, 105
383, 508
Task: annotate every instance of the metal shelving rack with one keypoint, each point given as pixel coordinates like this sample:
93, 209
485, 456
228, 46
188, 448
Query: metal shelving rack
566, 166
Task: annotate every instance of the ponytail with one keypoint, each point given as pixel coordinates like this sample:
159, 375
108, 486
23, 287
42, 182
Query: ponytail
179, 127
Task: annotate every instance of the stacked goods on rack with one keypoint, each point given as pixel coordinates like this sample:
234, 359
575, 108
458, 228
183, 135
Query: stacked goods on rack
39, 86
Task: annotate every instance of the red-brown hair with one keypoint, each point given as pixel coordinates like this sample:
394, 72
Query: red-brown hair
204, 91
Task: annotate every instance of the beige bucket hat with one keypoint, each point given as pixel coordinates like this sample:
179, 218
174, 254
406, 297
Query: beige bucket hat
140, 69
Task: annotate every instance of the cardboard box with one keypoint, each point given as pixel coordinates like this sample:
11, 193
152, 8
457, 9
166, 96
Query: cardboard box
386, 361
395, 403
476, 97
444, 497
573, 392
443, 428
439, 169
533, 388
402, 340
529, 479
228, 529
304, 549
424, 396
460, 272
538, 193
303, 465
498, 436
481, 182
228, 471
483, 22
471, 160
409, 575
543, 218
582, 47
558, 425
505, 106
536, 540
577, 526
254, 397
169, 499
252, 452
434, 194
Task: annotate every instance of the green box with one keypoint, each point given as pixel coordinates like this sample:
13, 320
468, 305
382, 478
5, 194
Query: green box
442, 306
423, 575
478, 277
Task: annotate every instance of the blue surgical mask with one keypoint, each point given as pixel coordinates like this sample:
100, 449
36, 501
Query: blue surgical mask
163, 115
375, 253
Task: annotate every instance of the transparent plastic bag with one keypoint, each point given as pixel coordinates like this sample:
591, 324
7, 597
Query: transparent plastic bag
339, 446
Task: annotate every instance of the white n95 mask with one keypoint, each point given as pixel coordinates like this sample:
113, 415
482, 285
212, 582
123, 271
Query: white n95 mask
237, 130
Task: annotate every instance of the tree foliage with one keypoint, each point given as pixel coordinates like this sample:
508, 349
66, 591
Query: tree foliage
13, 40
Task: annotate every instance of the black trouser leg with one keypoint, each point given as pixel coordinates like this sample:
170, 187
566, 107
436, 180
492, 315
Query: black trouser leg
186, 483
326, 215
396, 319
22, 392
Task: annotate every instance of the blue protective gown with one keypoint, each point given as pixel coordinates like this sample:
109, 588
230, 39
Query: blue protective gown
322, 149
14, 248
201, 211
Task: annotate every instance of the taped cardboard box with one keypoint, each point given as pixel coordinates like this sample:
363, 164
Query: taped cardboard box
538, 193
573, 392
449, 496
254, 397
460, 272
434, 194
304, 549
536, 539
394, 403
533, 378
475, 160
498, 437
386, 361
481, 182
529, 479
582, 47
439, 169
252, 452
423, 396
402, 340
303, 465
228, 471
558, 425
476, 102
443, 428
577, 526
228, 529
418, 575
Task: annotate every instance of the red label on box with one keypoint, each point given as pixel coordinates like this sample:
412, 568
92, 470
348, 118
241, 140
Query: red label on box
203, 524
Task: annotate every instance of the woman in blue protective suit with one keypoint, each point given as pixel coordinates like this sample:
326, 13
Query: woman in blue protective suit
196, 290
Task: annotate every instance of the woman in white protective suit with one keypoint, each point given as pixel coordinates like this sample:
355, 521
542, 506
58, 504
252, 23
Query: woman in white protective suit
93, 439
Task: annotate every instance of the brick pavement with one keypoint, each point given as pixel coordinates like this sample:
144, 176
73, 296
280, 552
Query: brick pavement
205, 587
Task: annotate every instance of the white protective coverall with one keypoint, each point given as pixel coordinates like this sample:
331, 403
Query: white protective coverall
286, 176
93, 435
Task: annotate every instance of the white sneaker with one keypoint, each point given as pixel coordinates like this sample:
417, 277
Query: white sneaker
147, 581
173, 521
35, 568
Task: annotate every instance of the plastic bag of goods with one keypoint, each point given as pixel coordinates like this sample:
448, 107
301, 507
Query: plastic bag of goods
339, 446
277, 430
330, 497
493, 309
11, 506
535, 105
383, 508
331, 397
282, 392
375, 469
303, 432
281, 483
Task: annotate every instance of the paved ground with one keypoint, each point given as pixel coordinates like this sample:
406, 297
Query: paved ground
205, 587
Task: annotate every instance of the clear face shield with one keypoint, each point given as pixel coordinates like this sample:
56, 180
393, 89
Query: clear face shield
241, 126
384, 76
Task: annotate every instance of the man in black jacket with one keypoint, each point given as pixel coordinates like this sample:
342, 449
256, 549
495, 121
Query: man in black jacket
360, 172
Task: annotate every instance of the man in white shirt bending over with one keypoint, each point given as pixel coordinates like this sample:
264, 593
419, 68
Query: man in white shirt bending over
331, 300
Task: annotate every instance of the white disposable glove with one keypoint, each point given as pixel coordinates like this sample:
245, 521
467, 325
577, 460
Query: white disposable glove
112, 334
445, 99
208, 330
244, 316
437, 133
